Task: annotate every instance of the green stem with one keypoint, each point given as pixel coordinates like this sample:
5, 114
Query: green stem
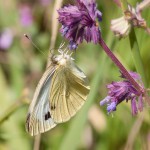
136, 56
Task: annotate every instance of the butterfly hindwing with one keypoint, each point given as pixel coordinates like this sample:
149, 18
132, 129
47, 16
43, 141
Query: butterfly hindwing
39, 118
69, 90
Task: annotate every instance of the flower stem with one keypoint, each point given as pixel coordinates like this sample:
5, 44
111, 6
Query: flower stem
136, 55
54, 28
120, 66
37, 141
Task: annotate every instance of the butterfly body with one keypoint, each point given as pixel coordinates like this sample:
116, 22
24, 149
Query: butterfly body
61, 92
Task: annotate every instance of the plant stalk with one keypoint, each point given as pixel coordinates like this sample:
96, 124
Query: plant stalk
120, 66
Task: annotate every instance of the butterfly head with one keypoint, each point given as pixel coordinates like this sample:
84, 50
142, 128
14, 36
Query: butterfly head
63, 58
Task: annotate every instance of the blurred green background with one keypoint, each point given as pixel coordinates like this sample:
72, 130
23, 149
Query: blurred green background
21, 67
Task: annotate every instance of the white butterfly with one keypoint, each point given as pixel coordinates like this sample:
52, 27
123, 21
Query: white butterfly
61, 92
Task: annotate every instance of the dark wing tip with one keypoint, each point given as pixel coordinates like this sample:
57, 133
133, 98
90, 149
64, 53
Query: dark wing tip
27, 122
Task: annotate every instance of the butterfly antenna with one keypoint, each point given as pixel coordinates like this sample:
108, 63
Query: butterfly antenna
33, 43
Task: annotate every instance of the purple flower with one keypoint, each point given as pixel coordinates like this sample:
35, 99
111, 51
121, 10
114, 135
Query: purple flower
6, 38
26, 18
79, 22
123, 90
45, 2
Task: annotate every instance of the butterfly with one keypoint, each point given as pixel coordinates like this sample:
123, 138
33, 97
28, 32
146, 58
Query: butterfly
60, 93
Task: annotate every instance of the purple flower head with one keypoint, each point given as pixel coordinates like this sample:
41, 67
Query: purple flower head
123, 90
79, 22
26, 18
6, 39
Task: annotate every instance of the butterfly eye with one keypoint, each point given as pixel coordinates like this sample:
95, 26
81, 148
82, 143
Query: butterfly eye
54, 59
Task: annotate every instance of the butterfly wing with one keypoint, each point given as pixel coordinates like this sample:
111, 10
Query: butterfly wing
69, 90
39, 118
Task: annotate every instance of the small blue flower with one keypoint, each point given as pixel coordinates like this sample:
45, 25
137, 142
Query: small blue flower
79, 22
111, 107
123, 90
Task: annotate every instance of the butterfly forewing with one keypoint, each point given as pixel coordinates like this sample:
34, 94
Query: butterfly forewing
69, 90
39, 118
